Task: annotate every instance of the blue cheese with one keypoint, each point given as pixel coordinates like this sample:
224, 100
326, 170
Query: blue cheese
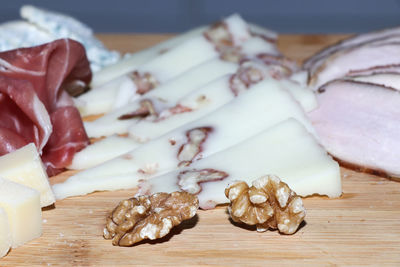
17, 34
61, 26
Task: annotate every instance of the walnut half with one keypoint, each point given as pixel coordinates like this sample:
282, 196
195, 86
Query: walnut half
148, 217
268, 203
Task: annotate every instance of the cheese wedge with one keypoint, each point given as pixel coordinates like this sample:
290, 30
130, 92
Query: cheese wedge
24, 166
22, 205
286, 150
5, 233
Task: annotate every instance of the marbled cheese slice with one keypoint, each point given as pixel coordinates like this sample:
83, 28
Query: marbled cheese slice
207, 99
168, 94
24, 166
286, 150
22, 205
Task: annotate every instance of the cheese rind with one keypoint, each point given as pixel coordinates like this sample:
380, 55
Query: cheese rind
5, 234
24, 166
22, 205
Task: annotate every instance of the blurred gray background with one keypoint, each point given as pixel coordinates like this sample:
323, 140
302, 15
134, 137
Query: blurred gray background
169, 16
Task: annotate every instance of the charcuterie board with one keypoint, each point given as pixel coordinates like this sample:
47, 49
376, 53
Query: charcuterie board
360, 228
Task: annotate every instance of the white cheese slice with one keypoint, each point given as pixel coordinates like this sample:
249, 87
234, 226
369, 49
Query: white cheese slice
163, 68
207, 99
286, 150
22, 205
24, 166
5, 233
104, 98
252, 112
101, 151
235, 25
168, 94
132, 61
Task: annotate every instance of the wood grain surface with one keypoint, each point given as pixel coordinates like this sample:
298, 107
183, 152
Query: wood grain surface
361, 228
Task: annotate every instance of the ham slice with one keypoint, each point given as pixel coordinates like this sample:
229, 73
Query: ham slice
381, 52
359, 123
34, 106
318, 59
391, 80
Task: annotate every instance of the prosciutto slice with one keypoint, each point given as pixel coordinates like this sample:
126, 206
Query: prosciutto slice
34, 107
359, 123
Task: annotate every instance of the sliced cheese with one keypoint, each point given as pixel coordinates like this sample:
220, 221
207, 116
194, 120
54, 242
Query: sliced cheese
22, 205
167, 94
102, 151
286, 150
5, 233
251, 113
24, 166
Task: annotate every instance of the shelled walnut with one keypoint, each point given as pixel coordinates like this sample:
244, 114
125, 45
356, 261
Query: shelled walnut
148, 217
268, 203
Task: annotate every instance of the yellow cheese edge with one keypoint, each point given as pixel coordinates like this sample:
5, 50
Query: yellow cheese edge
24, 166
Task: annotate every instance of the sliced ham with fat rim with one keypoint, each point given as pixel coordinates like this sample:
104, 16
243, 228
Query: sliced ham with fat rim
377, 53
317, 59
34, 106
359, 123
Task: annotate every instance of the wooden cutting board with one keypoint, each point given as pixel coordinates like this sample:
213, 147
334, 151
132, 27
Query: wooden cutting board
360, 228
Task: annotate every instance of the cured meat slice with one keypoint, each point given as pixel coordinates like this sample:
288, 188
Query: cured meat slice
362, 57
34, 106
317, 60
358, 123
391, 80
395, 68
278, 150
252, 112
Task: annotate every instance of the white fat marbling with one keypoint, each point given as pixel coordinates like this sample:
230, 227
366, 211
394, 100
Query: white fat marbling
254, 111
168, 94
101, 151
286, 150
